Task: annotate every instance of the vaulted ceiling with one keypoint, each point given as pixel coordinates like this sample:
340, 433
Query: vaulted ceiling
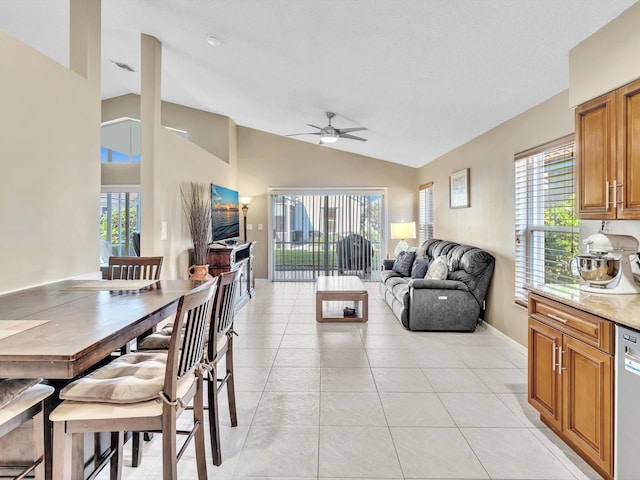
424, 76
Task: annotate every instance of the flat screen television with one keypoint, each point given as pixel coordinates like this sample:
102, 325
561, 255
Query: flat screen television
225, 214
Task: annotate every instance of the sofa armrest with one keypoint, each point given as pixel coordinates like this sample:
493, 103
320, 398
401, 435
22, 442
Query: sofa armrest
421, 283
387, 264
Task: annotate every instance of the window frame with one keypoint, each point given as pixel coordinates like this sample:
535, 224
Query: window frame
426, 218
531, 190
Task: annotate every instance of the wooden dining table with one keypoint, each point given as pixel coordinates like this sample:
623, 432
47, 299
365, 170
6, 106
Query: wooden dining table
60, 330
68, 329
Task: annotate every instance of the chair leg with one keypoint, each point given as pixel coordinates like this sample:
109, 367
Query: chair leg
231, 389
169, 448
198, 418
136, 449
39, 449
62, 447
117, 443
214, 424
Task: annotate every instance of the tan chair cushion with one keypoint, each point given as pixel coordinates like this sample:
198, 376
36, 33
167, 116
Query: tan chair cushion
156, 341
131, 378
24, 401
10, 388
71, 410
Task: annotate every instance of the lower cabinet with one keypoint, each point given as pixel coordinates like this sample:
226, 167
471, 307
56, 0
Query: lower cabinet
235, 258
571, 378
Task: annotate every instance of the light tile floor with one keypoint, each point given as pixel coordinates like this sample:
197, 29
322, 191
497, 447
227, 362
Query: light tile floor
372, 400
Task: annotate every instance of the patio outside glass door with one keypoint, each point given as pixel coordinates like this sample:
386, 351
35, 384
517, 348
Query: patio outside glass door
315, 233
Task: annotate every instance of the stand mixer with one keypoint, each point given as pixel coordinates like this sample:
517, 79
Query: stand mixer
606, 266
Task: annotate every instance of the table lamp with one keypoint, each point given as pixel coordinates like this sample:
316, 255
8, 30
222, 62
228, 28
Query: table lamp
402, 231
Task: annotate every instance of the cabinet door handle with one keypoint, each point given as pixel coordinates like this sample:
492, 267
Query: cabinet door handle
621, 201
555, 317
606, 195
615, 193
560, 367
553, 356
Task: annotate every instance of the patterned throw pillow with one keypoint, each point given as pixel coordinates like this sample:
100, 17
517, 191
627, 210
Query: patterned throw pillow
403, 262
438, 270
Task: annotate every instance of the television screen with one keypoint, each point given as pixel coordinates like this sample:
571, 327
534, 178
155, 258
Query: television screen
225, 213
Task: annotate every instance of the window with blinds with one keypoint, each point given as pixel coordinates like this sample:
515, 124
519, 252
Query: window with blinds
425, 213
547, 230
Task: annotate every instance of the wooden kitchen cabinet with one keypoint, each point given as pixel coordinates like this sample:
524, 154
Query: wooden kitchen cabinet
571, 378
608, 155
628, 151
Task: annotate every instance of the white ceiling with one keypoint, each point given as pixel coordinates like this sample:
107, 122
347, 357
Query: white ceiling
425, 76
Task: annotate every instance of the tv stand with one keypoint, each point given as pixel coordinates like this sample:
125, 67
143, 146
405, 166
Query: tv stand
230, 258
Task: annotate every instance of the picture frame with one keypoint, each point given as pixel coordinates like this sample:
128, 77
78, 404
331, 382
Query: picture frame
459, 189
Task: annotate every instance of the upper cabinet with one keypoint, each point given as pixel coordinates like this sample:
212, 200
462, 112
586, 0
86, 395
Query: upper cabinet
608, 155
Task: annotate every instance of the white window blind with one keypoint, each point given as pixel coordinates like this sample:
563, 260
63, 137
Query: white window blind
425, 213
547, 231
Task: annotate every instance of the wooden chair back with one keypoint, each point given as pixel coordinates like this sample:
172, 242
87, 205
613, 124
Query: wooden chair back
224, 310
134, 268
186, 348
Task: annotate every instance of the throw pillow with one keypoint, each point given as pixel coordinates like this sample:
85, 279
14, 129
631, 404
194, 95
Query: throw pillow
438, 270
403, 262
420, 267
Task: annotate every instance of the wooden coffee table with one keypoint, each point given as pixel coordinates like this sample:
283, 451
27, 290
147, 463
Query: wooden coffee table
340, 289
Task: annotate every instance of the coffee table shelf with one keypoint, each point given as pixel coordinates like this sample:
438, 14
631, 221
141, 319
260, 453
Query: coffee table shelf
341, 289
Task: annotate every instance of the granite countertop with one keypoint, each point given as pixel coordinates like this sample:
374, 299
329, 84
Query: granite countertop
622, 309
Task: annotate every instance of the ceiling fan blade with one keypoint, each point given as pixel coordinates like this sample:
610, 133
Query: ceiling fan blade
308, 133
352, 137
348, 130
315, 126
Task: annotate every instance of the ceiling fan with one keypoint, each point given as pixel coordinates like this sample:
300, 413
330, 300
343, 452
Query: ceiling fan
331, 134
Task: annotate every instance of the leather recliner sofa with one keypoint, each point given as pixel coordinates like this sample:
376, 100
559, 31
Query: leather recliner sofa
456, 303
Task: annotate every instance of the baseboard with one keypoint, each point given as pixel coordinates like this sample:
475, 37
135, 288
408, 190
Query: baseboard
521, 348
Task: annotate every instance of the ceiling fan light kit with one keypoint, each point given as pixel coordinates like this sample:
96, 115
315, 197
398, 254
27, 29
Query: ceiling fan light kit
330, 134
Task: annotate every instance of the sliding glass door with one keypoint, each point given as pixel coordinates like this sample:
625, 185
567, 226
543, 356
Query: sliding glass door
326, 233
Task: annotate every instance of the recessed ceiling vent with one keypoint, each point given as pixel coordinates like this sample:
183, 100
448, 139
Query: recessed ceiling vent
123, 66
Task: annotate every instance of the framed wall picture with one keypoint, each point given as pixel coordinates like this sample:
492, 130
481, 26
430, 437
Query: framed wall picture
459, 189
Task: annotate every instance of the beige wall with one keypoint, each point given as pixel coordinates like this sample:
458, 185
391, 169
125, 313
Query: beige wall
175, 161
266, 160
489, 222
49, 157
607, 59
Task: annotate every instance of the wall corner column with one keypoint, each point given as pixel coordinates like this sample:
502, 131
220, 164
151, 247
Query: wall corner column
150, 111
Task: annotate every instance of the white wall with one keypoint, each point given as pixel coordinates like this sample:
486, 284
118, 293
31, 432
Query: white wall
49, 159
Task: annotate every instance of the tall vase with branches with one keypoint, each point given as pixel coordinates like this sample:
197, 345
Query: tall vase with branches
196, 201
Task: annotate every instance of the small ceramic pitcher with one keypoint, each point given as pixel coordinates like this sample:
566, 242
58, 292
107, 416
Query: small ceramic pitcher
199, 272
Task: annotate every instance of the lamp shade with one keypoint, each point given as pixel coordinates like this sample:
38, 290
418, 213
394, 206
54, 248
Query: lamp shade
403, 230
245, 200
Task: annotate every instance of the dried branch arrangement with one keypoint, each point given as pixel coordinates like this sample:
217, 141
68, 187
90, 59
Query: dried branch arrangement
196, 201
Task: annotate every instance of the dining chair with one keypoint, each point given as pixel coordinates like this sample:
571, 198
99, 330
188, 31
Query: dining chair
20, 401
142, 391
134, 268
219, 346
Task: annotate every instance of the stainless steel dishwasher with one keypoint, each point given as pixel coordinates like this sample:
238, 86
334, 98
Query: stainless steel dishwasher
627, 413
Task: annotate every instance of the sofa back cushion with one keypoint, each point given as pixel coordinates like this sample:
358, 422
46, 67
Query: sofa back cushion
404, 262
